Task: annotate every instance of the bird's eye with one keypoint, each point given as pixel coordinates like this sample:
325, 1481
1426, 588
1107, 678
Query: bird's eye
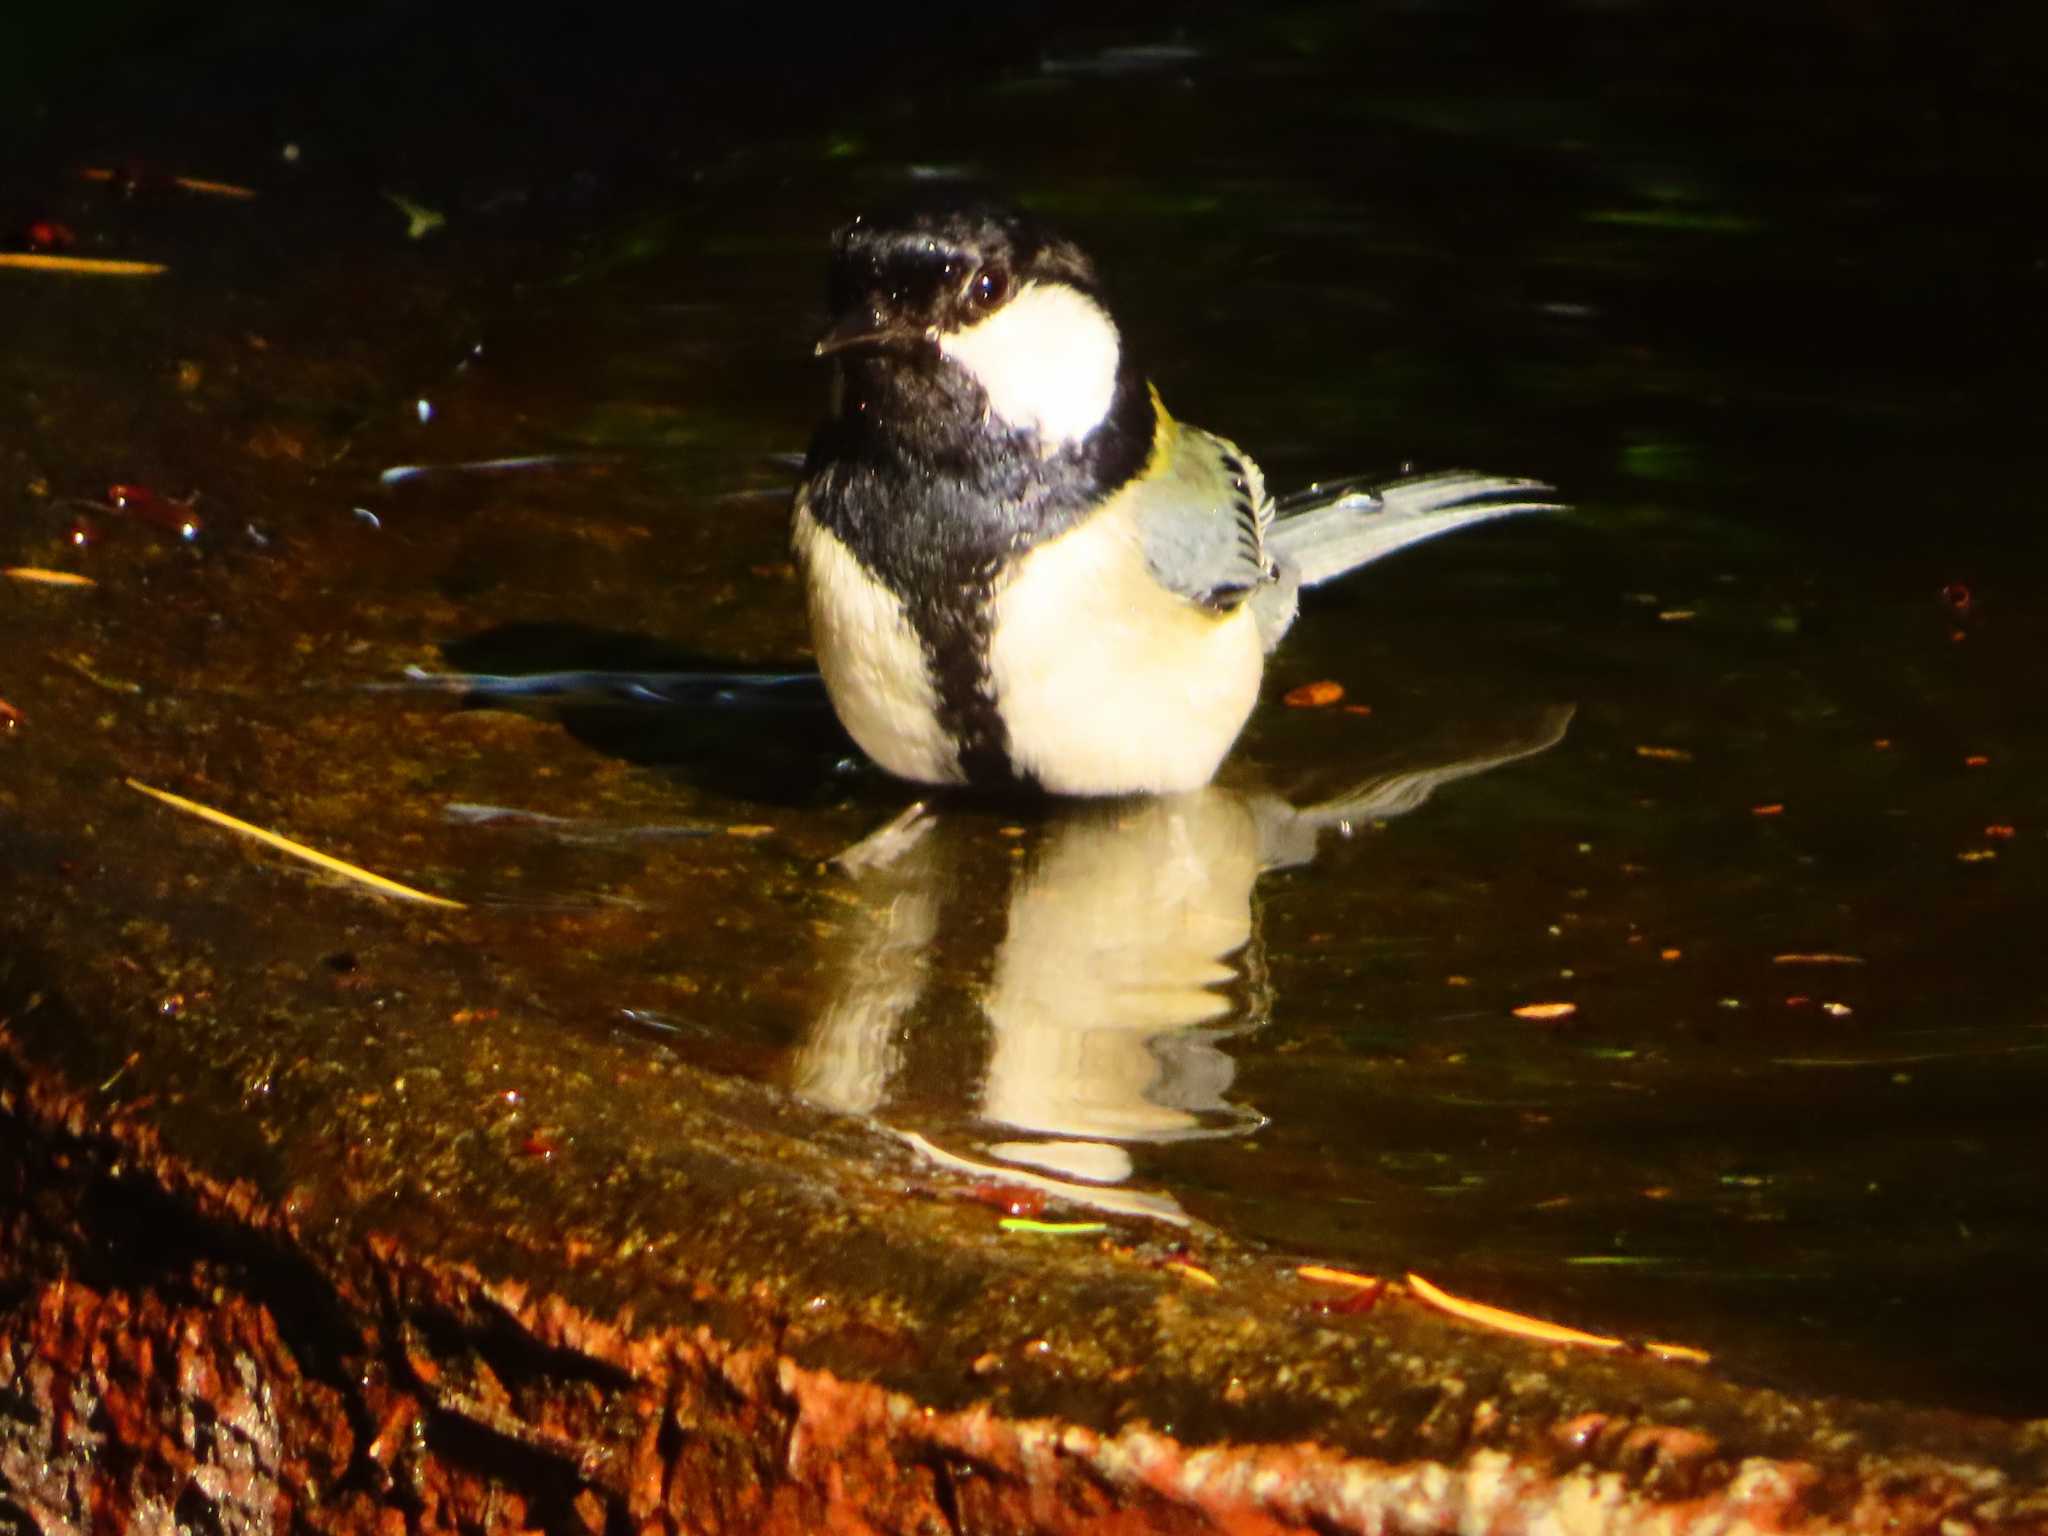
989, 287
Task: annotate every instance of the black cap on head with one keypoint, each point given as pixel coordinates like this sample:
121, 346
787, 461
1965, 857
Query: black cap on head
939, 263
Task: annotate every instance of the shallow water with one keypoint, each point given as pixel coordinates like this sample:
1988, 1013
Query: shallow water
1738, 757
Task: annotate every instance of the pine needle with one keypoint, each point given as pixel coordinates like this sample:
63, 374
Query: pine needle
1345, 1277
1524, 1326
87, 266
188, 183
326, 861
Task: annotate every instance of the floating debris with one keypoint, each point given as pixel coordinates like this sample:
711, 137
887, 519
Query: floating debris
420, 220
1144, 1204
1052, 1228
568, 829
83, 666
399, 473
282, 844
135, 176
1664, 754
1119, 61
83, 266
888, 842
166, 512
1818, 957
539, 1144
1328, 1276
1523, 1326
1317, 695
1010, 1199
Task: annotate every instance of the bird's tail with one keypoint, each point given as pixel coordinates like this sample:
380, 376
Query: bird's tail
1329, 529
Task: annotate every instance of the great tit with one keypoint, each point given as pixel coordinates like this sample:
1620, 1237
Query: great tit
1020, 569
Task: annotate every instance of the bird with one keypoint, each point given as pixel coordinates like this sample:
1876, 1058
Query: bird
1021, 571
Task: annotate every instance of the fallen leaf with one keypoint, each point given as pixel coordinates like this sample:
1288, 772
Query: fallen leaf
1317, 695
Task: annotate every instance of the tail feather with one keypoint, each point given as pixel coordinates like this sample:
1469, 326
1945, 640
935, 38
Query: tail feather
1328, 530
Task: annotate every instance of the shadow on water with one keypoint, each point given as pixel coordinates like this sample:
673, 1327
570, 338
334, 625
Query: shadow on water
769, 736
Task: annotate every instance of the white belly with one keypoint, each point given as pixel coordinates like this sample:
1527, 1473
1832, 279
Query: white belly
872, 661
1108, 683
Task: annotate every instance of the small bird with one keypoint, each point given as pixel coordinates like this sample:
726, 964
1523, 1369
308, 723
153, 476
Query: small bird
1021, 570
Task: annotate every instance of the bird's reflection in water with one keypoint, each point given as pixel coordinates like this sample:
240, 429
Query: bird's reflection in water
1108, 948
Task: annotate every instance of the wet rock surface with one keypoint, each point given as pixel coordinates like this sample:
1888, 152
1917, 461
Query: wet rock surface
755, 1338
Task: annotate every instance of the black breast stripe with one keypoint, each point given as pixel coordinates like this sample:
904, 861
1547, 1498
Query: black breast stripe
936, 513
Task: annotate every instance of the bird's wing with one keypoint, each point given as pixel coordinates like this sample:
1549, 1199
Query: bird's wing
1328, 530
1212, 534
1202, 512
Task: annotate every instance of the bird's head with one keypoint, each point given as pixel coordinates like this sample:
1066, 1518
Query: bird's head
988, 294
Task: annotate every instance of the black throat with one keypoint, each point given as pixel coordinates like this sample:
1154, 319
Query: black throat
934, 498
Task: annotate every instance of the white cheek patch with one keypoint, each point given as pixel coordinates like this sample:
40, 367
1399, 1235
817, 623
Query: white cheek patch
1047, 361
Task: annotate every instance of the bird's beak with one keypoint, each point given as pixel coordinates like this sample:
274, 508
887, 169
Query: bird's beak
863, 328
